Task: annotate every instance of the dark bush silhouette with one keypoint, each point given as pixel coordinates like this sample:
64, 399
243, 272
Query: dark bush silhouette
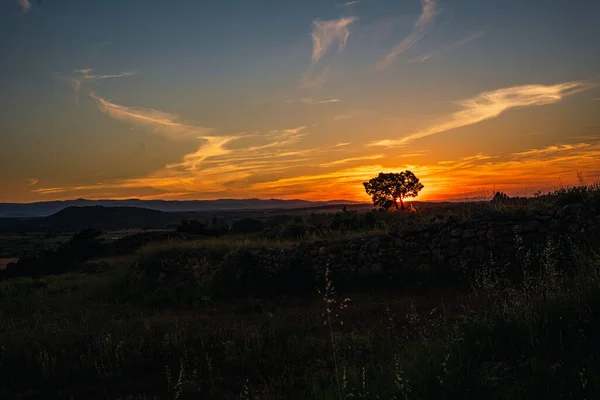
81, 247
588, 195
389, 189
353, 221
197, 228
247, 225
500, 197
291, 231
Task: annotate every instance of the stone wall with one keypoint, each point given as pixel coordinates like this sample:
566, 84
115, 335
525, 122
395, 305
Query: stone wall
440, 247
418, 250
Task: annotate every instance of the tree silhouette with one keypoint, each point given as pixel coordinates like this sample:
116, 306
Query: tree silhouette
500, 197
388, 190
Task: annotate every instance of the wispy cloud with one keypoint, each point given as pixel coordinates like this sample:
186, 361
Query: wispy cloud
447, 48
463, 177
348, 4
430, 10
290, 130
86, 75
551, 149
219, 165
160, 122
326, 33
83, 76
311, 79
351, 159
491, 104
280, 138
307, 100
24, 4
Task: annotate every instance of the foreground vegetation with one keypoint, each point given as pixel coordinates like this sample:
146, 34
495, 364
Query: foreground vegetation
100, 332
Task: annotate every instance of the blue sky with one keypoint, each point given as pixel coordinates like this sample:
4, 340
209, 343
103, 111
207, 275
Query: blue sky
295, 99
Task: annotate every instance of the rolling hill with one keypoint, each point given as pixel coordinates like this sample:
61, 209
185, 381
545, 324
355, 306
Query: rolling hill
43, 209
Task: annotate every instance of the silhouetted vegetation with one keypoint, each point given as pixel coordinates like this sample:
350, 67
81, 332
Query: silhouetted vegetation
588, 195
244, 315
389, 189
198, 228
67, 257
247, 225
353, 221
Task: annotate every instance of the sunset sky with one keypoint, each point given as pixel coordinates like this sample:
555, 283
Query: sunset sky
295, 98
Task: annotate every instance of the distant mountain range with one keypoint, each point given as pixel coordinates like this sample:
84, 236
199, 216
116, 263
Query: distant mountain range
97, 217
46, 208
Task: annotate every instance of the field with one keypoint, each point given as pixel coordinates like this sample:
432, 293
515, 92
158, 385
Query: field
158, 322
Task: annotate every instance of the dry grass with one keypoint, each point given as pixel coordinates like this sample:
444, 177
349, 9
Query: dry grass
80, 336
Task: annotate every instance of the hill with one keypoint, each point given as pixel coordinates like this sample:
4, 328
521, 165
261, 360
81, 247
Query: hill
43, 209
97, 217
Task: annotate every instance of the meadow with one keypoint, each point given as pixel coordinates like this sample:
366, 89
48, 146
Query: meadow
104, 330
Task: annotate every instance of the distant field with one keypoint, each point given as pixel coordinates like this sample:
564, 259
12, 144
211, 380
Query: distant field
14, 244
119, 234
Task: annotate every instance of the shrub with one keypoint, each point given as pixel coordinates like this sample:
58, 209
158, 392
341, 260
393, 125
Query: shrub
247, 225
353, 221
500, 197
197, 228
81, 247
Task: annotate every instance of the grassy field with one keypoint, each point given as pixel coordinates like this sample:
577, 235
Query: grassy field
106, 334
91, 336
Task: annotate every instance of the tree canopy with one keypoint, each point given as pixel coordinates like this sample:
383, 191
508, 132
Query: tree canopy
390, 189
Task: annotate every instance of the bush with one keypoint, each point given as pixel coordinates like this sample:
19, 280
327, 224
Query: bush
198, 273
353, 221
247, 225
588, 195
81, 247
197, 228
500, 197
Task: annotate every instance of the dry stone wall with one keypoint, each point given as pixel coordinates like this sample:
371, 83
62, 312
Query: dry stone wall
446, 246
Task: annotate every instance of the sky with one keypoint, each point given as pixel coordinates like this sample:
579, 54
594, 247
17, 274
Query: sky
296, 99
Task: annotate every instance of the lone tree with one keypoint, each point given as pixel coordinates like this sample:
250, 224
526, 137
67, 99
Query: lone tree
390, 189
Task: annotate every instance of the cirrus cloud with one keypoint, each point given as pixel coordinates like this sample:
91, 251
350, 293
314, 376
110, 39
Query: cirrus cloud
430, 10
325, 33
161, 122
491, 104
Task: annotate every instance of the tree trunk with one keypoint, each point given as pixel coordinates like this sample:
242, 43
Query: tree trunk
401, 204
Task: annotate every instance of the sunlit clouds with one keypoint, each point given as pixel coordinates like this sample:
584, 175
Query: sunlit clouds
352, 159
274, 163
160, 122
327, 33
305, 99
551, 149
491, 104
